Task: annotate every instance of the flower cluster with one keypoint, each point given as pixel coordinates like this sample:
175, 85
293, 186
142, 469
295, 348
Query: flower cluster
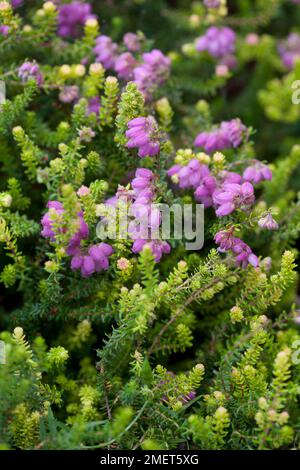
72, 17
106, 51
69, 94
137, 284
143, 134
226, 191
95, 260
152, 72
30, 71
17, 3
212, 3
257, 172
191, 175
289, 50
148, 74
125, 65
242, 252
53, 223
267, 222
132, 42
220, 43
229, 134
50, 219
4, 29
94, 105
233, 196
145, 217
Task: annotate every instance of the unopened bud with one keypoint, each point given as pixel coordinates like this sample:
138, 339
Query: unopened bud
49, 7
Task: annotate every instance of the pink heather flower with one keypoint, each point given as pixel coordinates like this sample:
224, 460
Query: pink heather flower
222, 70
69, 94
125, 65
132, 42
225, 240
144, 173
142, 134
229, 61
55, 217
209, 189
235, 130
95, 261
252, 39
16, 3
142, 182
257, 173
230, 177
289, 50
243, 253
145, 217
174, 170
229, 134
212, 3
83, 191
213, 141
268, 222
218, 42
30, 71
233, 196
81, 234
106, 51
4, 30
56, 210
152, 73
72, 17
88, 266
94, 105
191, 175
76, 262
205, 191
157, 247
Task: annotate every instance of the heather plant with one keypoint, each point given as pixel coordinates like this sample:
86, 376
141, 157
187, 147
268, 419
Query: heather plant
134, 341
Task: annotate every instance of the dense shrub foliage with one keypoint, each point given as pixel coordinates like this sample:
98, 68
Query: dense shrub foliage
136, 343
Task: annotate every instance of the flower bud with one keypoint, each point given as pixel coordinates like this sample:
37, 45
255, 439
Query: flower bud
91, 23
262, 403
236, 314
5, 199
18, 332
79, 70
96, 69
49, 7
